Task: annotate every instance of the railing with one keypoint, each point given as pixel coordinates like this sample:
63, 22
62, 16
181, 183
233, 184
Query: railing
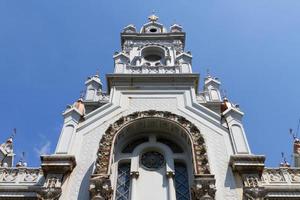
21, 175
161, 69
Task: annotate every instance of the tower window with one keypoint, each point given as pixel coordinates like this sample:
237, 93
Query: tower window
152, 57
123, 182
181, 182
153, 54
153, 30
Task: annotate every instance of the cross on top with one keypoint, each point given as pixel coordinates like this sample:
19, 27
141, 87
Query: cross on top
153, 17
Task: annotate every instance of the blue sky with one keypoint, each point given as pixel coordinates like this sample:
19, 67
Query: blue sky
48, 48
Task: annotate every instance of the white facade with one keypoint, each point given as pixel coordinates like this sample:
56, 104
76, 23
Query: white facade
153, 72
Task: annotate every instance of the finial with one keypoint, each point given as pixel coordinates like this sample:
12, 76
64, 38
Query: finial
82, 92
97, 73
224, 94
153, 17
10, 139
292, 133
208, 73
284, 163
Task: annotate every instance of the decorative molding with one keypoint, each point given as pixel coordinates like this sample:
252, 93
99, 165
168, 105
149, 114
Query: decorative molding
199, 155
57, 163
100, 188
204, 187
244, 164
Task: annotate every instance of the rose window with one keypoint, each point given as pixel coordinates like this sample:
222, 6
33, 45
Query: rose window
152, 160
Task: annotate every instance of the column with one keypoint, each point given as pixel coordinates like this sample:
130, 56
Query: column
172, 192
134, 176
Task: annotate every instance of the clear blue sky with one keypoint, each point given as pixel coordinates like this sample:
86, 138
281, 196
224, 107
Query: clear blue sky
48, 48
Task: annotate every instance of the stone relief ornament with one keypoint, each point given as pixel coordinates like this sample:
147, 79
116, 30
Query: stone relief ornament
254, 193
251, 181
203, 188
31, 175
295, 175
252, 189
9, 175
51, 189
106, 142
100, 188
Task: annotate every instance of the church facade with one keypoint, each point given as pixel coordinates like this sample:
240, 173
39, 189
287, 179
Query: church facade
152, 136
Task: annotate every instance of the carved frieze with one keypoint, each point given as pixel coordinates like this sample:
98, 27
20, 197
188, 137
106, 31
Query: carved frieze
9, 175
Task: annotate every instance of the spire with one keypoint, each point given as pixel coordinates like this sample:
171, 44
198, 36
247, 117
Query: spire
284, 163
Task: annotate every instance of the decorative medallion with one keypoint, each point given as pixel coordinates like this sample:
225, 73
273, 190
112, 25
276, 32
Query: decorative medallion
152, 160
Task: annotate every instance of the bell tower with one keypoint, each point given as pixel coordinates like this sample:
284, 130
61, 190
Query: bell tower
153, 50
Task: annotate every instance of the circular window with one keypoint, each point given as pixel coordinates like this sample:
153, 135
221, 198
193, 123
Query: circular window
152, 160
153, 30
152, 57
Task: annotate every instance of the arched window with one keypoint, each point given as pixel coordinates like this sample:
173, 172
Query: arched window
152, 156
123, 182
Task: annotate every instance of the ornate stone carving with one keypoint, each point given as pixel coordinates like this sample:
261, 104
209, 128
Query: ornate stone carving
252, 187
204, 188
294, 175
31, 175
100, 188
199, 154
51, 189
254, 193
9, 175
134, 174
251, 180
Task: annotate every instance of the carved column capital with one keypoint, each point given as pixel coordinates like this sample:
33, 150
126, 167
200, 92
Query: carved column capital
170, 174
204, 187
134, 174
100, 187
